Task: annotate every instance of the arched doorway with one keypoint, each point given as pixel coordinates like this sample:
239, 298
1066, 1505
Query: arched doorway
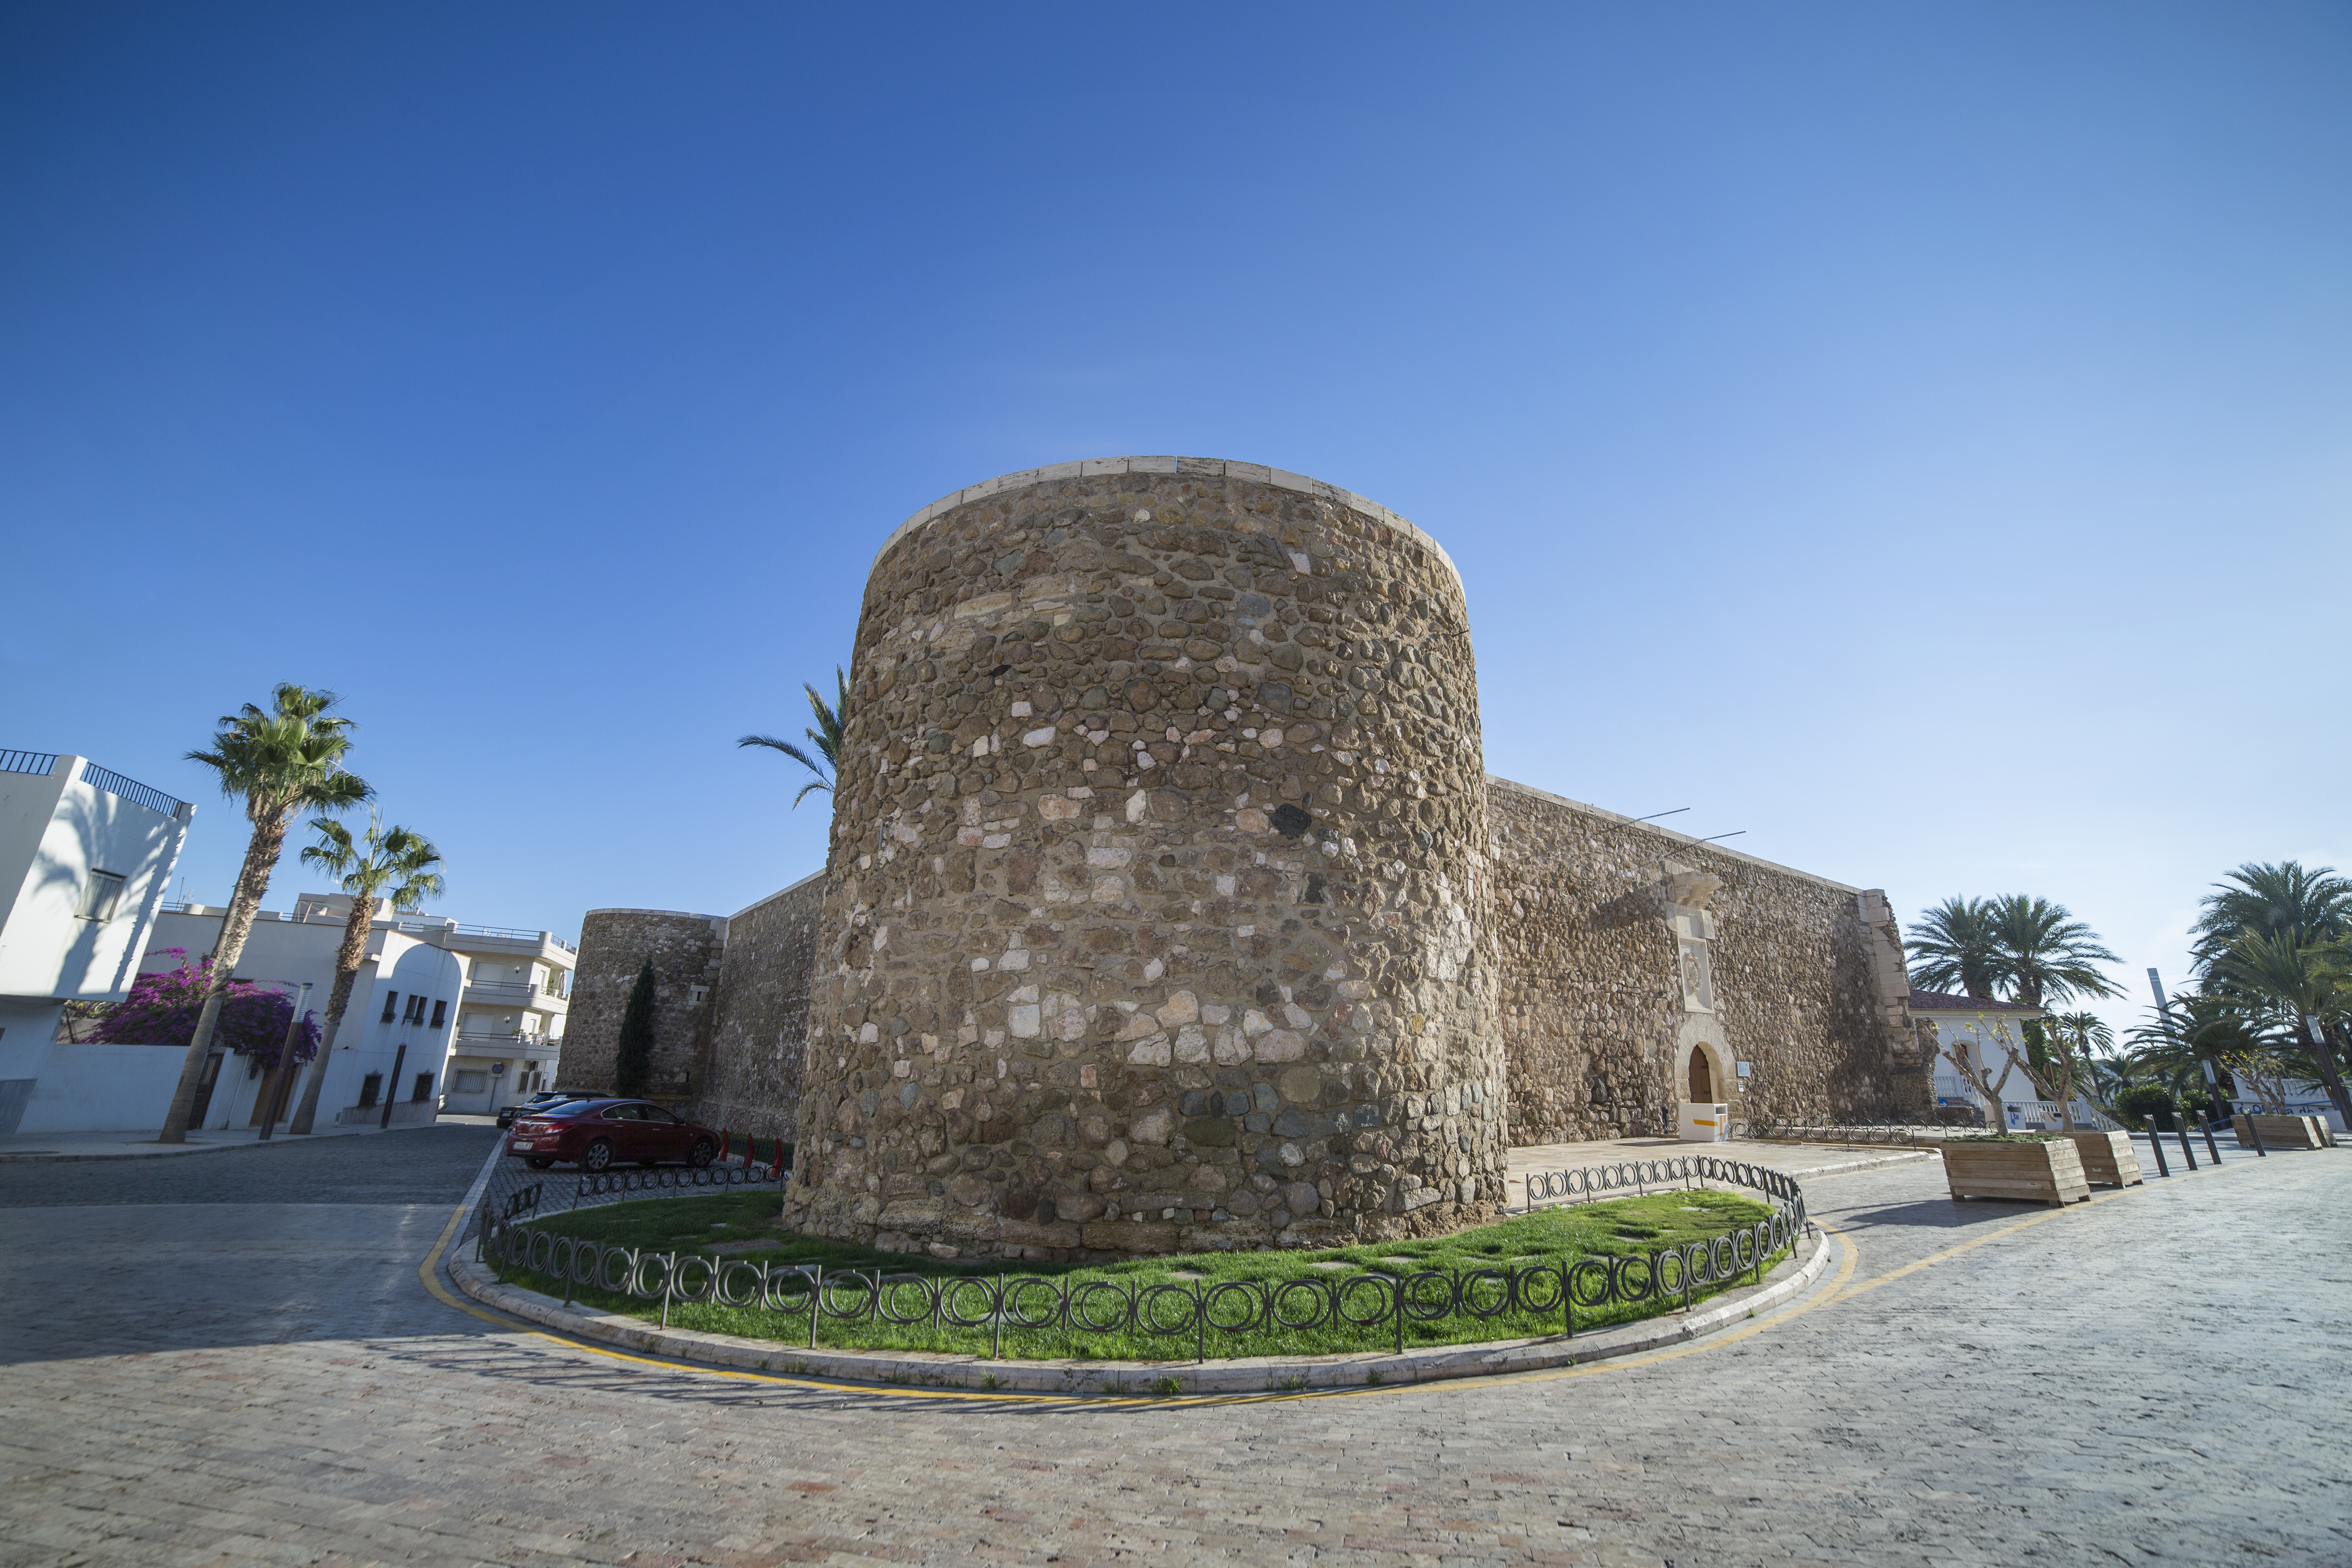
1702, 1077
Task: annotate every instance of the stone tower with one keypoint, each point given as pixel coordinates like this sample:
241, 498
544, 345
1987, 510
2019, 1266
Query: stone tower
1155, 902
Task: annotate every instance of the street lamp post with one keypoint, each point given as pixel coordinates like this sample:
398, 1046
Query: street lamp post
283, 1073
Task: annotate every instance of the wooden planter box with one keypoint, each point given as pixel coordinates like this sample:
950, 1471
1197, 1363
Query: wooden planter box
2281, 1131
2048, 1173
2109, 1159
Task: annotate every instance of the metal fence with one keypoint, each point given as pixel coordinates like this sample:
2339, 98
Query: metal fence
1373, 1304
1811, 1130
1636, 1178
552, 1194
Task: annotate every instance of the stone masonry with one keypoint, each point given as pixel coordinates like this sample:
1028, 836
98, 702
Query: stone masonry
1168, 906
613, 945
755, 1026
1156, 863
1594, 999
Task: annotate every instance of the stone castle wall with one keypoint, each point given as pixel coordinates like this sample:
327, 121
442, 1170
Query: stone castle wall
1594, 999
1168, 905
755, 1037
613, 945
1155, 873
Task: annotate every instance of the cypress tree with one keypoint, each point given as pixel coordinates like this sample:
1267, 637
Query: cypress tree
632, 1059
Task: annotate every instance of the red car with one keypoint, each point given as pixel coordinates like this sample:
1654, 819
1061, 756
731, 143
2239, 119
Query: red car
601, 1133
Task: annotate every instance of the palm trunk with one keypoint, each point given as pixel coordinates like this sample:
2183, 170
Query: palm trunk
347, 969
2317, 1041
261, 854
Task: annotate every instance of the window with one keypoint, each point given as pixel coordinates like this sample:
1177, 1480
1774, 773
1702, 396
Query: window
371, 1085
655, 1113
694, 994
414, 1012
440, 1013
391, 1000
99, 896
625, 1113
424, 1089
471, 1083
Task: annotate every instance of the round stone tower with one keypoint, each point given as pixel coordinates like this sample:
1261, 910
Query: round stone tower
1155, 896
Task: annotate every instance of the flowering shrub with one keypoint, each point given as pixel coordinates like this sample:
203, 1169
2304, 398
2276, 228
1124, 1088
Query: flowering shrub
162, 1007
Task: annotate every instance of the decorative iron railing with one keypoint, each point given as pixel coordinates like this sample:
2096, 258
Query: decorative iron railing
131, 790
1369, 1302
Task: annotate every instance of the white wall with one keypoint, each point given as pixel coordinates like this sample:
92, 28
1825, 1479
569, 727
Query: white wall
53, 830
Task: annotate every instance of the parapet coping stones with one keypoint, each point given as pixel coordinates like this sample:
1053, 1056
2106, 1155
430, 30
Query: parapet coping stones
1614, 818
717, 922
1181, 467
816, 876
1257, 1375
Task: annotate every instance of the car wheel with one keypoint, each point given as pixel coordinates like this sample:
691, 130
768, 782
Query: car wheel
539, 1162
597, 1156
702, 1154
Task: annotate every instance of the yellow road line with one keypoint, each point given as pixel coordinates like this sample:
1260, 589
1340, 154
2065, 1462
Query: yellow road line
2044, 1219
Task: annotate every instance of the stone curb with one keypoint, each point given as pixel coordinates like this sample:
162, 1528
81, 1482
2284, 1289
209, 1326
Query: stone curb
1254, 1375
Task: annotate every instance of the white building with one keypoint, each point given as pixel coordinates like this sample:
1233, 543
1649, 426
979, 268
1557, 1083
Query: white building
1983, 1032
85, 855
393, 1052
518, 990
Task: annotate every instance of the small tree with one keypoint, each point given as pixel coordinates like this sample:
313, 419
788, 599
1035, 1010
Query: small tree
632, 1057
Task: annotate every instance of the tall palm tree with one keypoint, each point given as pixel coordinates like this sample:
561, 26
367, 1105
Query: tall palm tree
2046, 954
1952, 947
2271, 898
824, 735
285, 760
2292, 972
386, 863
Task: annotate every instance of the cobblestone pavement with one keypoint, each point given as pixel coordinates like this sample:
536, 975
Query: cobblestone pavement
2158, 1377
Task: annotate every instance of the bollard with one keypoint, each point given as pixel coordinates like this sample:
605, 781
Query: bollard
2156, 1146
817, 1303
996, 1345
669, 1273
2256, 1134
2185, 1151
2212, 1147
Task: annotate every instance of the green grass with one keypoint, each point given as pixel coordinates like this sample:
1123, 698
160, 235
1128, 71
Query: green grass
1550, 1237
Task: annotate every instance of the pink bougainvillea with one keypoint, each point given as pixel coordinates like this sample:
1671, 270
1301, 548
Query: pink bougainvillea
162, 1007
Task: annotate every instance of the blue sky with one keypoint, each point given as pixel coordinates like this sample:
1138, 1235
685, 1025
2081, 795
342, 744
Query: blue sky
1916, 436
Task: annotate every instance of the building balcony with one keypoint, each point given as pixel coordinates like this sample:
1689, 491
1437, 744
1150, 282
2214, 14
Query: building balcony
514, 993
505, 1043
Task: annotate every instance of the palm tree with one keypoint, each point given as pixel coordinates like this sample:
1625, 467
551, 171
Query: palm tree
281, 761
2292, 972
1952, 948
2046, 954
2273, 898
394, 864
825, 735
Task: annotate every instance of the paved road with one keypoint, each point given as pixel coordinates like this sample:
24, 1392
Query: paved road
2135, 1381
